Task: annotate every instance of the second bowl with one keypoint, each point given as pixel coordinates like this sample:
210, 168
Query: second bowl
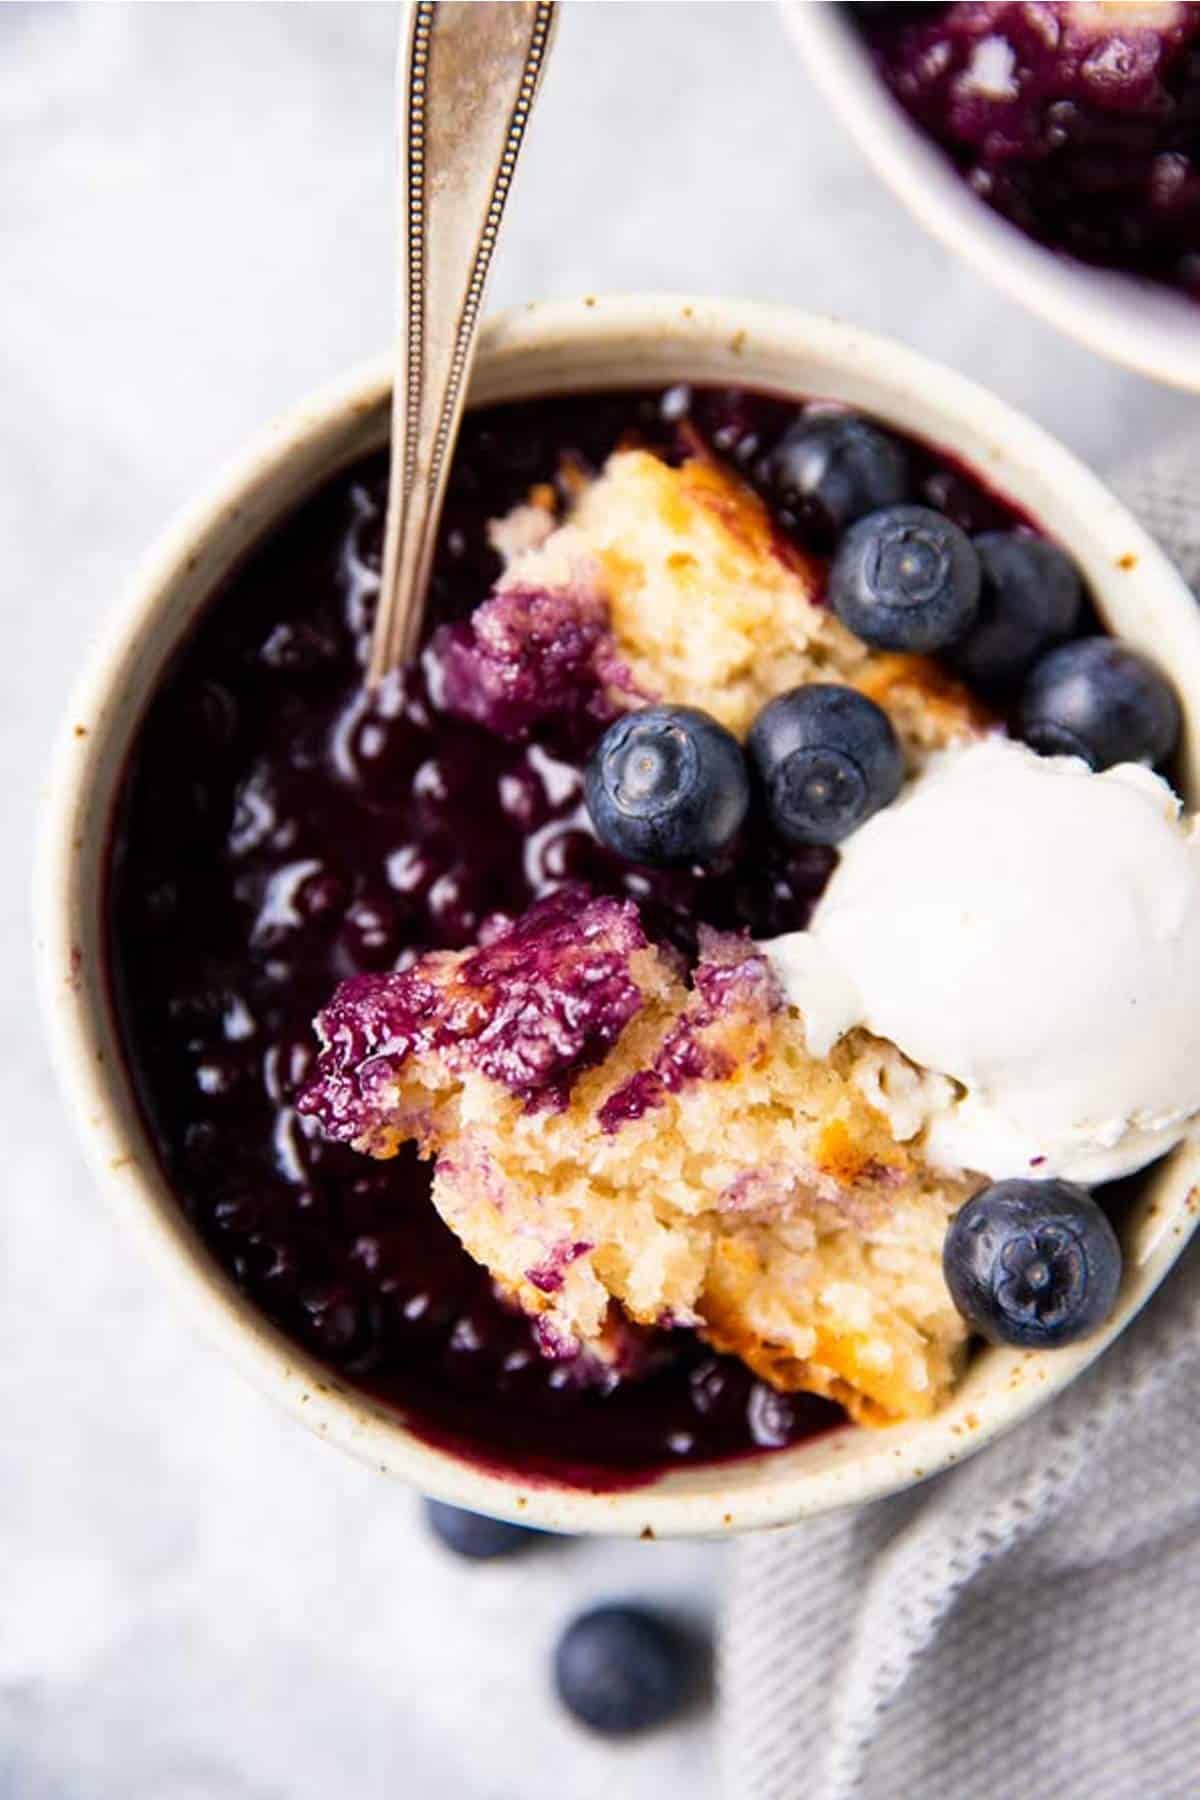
1136, 323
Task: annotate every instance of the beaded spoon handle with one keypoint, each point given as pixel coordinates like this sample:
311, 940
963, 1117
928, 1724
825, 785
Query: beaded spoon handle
468, 74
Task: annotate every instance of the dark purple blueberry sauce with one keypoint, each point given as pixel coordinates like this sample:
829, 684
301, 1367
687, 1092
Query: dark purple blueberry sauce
1085, 133
279, 832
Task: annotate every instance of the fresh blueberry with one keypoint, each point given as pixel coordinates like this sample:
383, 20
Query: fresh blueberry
906, 578
667, 785
1032, 1263
833, 468
619, 1669
827, 758
474, 1535
1100, 700
1030, 599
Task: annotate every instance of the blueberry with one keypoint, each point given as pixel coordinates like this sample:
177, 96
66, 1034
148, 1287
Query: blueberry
667, 785
1032, 1263
827, 758
1030, 599
834, 468
619, 1669
1100, 700
474, 1535
906, 578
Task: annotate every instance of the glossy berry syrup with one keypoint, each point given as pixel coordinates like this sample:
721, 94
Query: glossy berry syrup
278, 832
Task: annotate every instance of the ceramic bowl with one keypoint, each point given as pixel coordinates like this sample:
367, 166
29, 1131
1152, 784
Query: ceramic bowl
595, 343
1135, 323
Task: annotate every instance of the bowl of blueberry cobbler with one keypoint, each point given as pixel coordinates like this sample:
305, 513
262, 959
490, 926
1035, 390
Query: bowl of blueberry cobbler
1051, 143
497, 1062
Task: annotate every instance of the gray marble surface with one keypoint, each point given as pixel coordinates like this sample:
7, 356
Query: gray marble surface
199, 1601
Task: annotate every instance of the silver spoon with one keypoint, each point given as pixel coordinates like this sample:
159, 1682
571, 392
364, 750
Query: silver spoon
468, 73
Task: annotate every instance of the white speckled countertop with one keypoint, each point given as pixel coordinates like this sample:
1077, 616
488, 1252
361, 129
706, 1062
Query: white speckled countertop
200, 1601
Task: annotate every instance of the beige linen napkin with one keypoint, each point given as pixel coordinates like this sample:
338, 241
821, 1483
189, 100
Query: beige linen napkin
1027, 1625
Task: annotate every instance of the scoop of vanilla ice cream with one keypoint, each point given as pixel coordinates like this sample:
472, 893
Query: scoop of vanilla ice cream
1030, 930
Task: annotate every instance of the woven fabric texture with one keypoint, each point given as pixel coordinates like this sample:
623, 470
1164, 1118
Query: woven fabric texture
1028, 1624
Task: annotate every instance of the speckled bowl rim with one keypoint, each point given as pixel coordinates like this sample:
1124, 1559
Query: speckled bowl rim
1139, 324
596, 342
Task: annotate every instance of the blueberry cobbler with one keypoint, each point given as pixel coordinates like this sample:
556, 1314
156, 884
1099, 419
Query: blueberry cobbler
1077, 122
705, 1042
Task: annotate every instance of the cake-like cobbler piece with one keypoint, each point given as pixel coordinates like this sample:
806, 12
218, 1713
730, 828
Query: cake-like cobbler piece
615, 1144
709, 604
669, 583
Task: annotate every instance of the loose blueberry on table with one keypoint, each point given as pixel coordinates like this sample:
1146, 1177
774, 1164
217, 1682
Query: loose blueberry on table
282, 831
621, 1670
476, 1536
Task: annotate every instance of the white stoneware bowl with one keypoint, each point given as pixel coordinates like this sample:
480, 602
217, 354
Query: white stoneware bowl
1135, 323
594, 343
